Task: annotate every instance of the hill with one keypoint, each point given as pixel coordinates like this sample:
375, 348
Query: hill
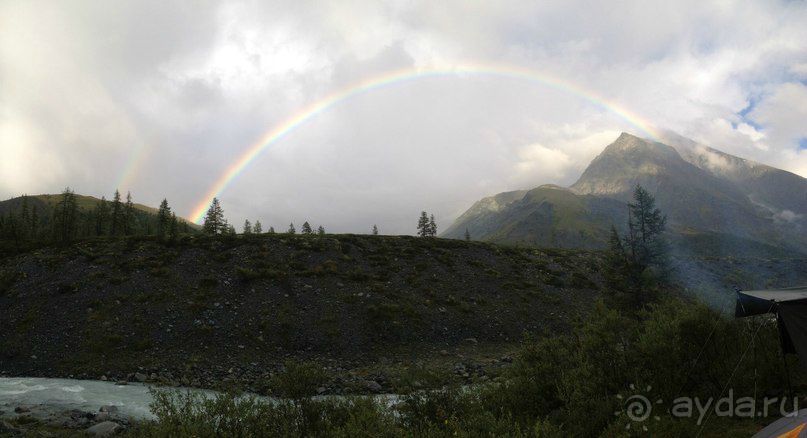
717, 205
46, 203
28, 222
207, 311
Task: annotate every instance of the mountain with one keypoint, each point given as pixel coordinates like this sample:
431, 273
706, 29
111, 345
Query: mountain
782, 193
717, 205
693, 197
546, 216
701, 190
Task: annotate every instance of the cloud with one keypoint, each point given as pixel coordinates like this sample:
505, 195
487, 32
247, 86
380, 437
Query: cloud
176, 91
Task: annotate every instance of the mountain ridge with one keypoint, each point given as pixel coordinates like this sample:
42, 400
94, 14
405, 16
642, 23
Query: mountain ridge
695, 197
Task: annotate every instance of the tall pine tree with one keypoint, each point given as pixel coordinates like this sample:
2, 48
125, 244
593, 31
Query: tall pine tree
423, 225
117, 215
214, 219
101, 217
163, 219
173, 230
65, 216
128, 219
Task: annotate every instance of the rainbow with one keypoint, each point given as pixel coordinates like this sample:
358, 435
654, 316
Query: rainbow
132, 168
278, 132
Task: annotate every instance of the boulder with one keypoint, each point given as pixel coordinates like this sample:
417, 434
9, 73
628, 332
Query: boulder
107, 428
373, 386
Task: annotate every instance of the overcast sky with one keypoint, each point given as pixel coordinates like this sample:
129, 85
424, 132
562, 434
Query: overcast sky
175, 91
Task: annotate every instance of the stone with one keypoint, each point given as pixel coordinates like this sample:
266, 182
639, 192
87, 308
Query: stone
140, 377
373, 386
109, 408
102, 416
107, 428
22, 409
321, 390
121, 383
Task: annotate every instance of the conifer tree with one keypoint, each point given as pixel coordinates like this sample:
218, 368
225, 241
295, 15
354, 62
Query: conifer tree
321, 230
117, 215
467, 235
375, 230
128, 215
247, 227
101, 217
306, 228
432, 227
271, 230
65, 216
173, 230
291, 229
636, 263
214, 222
423, 225
258, 229
646, 224
231, 230
163, 219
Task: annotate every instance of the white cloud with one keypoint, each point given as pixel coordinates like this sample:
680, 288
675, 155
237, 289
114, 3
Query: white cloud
188, 86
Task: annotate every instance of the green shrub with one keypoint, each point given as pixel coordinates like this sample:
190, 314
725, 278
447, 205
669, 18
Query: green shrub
297, 380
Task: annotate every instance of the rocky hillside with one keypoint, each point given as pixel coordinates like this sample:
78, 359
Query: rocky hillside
206, 310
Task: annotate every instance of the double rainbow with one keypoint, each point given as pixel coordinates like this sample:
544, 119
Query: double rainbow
396, 77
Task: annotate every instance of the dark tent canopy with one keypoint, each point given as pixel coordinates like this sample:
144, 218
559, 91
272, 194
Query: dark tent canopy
790, 307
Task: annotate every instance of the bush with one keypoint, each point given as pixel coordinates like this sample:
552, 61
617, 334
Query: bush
563, 385
297, 380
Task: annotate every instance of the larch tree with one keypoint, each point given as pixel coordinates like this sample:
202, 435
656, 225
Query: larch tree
258, 229
101, 217
423, 225
375, 230
214, 222
128, 215
163, 219
65, 216
247, 227
173, 229
117, 215
306, 228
